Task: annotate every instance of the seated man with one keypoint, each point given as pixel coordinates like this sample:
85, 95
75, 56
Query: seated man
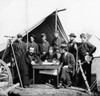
68, 67
31, 58
57, 54
52, 57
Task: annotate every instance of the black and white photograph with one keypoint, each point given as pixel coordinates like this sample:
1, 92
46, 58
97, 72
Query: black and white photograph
49, 47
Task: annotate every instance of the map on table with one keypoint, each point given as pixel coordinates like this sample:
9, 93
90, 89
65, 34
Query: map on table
50, 63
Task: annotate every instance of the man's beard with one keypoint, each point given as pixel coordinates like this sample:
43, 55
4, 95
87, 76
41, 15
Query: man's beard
71, 40
30, 53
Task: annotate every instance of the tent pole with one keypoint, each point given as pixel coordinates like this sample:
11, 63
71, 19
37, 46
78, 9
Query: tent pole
27, 38
56, 21
27, 22
56, 17
58, 25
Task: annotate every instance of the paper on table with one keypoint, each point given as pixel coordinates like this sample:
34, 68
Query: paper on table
50, 63
49, 72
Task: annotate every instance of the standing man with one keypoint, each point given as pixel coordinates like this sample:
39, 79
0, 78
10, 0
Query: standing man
20, 50
72, 44
73, 49
34, 44
68, 67
44, 46
85, 54
57, 41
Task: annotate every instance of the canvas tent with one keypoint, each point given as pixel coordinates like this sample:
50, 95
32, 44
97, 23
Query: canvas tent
18, 16
96, 61
47, 26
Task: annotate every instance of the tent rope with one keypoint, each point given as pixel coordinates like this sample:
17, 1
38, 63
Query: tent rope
62, 35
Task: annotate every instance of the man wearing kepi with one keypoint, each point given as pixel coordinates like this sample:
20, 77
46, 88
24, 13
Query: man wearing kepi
44, 46
34, 44
57, 41
68, 66
20, 50
86, 50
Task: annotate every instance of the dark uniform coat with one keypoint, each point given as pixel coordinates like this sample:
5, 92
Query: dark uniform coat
35, 45
83, 49
43, 48
56, 43
71, 48
28, 67
20, 51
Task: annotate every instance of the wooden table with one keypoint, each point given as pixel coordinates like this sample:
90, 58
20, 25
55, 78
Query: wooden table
44, 66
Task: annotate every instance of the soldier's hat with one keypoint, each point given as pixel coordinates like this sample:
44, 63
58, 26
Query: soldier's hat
72, 35
65, 47
43, 34
56, 31
19, 36
83, 35
32, 35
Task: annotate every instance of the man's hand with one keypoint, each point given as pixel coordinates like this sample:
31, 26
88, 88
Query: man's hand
66, 66
88, 59
33, 63
44, 53
59, 55
54, 61
86, 53
75, 46
79, 61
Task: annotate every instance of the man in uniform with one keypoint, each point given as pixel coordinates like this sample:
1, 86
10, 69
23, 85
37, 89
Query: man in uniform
20, 50
34, 44
57, 41
86, 50
44, 46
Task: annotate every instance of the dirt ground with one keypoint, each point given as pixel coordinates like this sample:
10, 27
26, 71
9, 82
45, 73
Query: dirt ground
45, 90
